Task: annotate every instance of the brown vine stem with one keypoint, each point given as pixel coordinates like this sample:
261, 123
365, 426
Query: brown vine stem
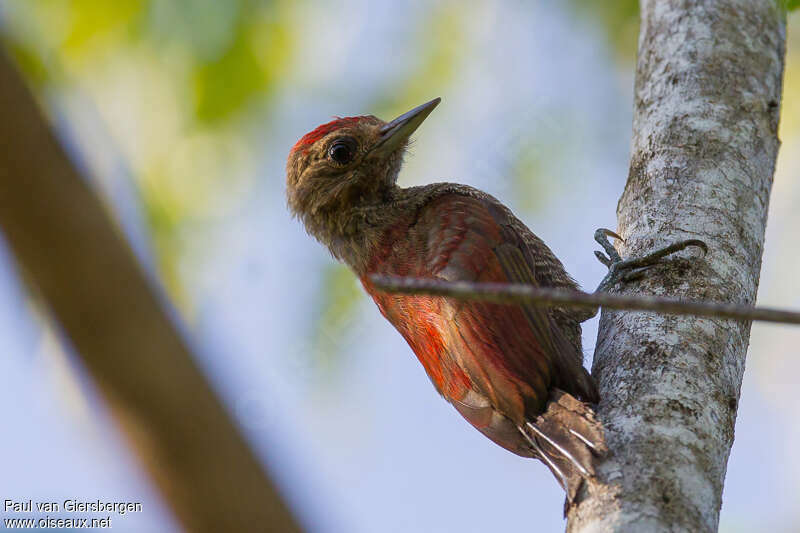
514, 293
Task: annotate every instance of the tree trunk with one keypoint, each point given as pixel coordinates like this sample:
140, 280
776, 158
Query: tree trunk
707, 98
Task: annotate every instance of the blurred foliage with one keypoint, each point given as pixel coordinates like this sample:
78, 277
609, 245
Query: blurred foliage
441, 46
30, 63
246, 68
93, 23
174, 79
619, 19
532, 172
179, 83
337, 315
790, 107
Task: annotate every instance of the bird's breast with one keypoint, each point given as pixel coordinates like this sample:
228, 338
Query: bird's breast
419, 319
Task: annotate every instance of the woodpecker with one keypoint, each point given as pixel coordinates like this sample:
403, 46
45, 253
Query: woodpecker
515, 372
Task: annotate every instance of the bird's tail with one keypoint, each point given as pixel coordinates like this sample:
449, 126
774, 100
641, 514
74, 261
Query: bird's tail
568, 439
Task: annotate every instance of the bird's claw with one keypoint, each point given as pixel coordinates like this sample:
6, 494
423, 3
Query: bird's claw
602, 258
626, 270
601, 237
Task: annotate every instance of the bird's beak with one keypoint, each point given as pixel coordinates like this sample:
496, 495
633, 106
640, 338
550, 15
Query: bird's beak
400, 129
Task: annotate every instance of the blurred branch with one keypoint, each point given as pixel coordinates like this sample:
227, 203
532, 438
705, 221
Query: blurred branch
513, 293
72, 252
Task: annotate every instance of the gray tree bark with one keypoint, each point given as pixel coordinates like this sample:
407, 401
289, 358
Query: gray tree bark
707, 99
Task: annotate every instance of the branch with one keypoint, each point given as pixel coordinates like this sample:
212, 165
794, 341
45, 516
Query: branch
514, 293
71, 250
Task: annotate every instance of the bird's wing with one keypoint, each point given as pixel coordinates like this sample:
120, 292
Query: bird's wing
511, 354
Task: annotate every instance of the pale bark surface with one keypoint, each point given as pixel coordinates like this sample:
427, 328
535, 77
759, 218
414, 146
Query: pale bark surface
707, 99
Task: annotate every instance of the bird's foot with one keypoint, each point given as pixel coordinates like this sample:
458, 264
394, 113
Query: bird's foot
625, 270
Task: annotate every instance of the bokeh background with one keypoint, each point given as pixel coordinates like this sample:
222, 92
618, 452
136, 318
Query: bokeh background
182, 112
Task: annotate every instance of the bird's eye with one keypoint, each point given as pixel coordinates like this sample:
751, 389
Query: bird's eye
343, 151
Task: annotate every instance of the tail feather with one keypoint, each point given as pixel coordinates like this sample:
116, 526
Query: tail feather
568, 439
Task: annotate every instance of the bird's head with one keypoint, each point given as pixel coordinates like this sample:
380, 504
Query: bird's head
348, 163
